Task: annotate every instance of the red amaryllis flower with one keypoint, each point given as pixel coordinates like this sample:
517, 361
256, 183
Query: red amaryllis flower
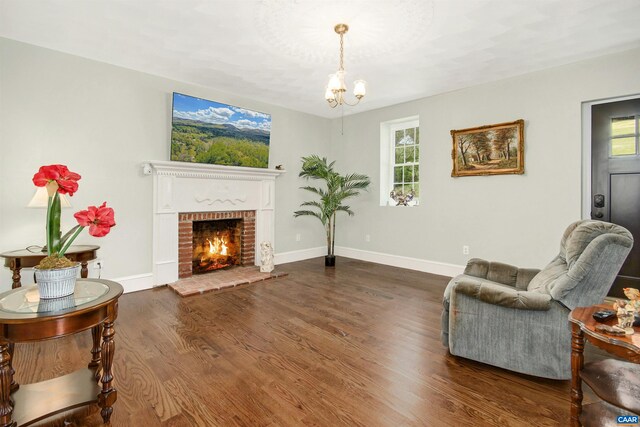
67, 181
98, 219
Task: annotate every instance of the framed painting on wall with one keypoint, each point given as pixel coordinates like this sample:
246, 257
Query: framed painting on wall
489, 150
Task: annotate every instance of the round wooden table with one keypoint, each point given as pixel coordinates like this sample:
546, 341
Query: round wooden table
24, 258
24, 317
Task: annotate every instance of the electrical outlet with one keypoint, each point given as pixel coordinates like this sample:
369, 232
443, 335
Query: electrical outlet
98, 264
298, 237
367, 238
465, 250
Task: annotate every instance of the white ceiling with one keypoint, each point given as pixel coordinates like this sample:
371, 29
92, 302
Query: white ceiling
281, 51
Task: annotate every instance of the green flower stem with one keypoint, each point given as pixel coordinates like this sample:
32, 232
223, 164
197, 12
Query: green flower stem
49, 203
53, 225
70, 240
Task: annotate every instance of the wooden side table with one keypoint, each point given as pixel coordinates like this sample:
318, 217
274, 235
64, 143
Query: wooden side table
23, 258
614, 381
24, 317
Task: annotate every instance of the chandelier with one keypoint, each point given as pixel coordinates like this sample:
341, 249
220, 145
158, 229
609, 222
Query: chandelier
336, 87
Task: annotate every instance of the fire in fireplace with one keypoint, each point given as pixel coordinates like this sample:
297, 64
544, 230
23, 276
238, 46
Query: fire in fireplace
216, 244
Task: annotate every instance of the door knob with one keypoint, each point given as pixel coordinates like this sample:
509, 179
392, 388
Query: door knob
598, 215
598, 201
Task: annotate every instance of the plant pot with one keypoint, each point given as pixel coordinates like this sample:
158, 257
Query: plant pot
330, 261
57, 282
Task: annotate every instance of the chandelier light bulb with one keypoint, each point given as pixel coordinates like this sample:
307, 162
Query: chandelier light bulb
328, 95
359, 88
334, 82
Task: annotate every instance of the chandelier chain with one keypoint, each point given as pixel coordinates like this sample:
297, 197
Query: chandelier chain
341, 51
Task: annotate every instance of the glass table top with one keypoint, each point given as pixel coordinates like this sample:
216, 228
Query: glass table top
27, 299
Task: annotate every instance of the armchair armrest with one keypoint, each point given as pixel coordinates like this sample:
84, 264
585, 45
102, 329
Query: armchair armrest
503, 296
500, 273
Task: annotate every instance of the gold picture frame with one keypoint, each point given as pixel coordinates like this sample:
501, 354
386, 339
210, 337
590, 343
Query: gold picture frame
489, 150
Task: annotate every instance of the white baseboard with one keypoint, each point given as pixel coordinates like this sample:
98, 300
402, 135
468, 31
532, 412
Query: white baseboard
138, 282
293, 256
433, 267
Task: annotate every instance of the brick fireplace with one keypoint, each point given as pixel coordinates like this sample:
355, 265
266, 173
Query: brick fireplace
243, 235
184, 193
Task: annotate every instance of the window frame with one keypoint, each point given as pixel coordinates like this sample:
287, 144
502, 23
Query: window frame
387, 157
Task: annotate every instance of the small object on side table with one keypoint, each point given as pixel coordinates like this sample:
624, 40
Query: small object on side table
625, 310
611, 330
634, 297
603, 315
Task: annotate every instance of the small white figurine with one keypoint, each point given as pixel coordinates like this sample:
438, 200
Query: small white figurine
634, 296
625, 311
266, 257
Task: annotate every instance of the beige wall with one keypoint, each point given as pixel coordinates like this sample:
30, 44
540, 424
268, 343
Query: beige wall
514, 219
103, 122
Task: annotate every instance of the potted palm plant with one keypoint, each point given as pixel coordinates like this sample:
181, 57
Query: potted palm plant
337, 188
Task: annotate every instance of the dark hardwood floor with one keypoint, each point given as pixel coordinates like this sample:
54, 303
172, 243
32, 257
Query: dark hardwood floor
355, 346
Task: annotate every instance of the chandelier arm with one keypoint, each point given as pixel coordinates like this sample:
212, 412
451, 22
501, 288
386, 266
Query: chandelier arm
344, 101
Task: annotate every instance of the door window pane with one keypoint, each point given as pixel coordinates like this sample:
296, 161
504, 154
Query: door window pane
623, 126
623, 146
624, 136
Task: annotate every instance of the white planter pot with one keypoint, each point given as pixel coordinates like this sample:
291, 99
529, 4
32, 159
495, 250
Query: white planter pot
57, 282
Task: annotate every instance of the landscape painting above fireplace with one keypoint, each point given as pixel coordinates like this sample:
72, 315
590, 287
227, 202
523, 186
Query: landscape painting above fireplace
210, 132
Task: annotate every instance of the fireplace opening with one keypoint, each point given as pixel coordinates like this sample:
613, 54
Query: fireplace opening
216, 245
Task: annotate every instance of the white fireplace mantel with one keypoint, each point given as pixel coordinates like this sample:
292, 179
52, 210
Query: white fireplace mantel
180, 187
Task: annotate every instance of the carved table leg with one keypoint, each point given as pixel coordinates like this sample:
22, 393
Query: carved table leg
577, 363
95, 364
84, 271
6, 408
14, 385
108, 395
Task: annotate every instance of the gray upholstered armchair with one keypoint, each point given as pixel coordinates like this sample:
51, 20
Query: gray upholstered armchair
516, 318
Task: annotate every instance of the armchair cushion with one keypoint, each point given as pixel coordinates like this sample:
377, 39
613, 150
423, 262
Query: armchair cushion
493, 293
601, 244
580, 234
500, 273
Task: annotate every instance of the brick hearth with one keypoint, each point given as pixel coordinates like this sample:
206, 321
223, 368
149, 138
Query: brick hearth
185, 236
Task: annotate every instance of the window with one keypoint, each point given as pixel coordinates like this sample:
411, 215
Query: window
400, 162
624, 136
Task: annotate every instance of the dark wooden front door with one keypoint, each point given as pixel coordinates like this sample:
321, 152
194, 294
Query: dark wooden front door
615, 178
